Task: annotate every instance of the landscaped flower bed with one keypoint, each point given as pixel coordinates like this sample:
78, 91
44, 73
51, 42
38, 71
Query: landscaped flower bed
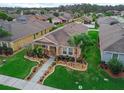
104, 66
72, 65
6, 51
36, 68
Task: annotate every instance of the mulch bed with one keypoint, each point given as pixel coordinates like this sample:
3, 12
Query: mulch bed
107, 70
120, 75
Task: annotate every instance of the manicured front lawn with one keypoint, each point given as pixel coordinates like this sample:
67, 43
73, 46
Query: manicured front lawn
17, 66
93, 78
3, 87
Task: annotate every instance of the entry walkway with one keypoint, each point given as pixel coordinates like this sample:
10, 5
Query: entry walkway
42, 70
22, 84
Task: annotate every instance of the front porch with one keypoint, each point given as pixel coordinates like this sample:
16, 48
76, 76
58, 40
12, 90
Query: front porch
52, 49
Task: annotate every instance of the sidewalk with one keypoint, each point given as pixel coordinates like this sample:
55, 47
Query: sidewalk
22, 84
42, 70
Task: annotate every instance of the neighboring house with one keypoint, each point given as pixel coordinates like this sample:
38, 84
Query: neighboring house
23, 31
91, 25
111, 40
50, 15
57, 42
66, 15
87, 19
122, 13
56, 20
40, 17
64, 20
107, 20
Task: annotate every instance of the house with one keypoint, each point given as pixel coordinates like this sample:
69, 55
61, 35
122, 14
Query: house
40, 17
64, 20
56, 43
107, 20
66, 15
56, 20
23, 31
87, 19
111, 40
122, 13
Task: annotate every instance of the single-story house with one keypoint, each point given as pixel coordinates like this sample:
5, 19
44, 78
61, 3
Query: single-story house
40, 17
56, 20
66, 15
23, 31
122, 13
111, 41
116, 50
87, 19
64, 20
107, 20
57, 42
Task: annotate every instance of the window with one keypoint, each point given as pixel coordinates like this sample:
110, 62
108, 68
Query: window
64, 50
115, 56
70, 51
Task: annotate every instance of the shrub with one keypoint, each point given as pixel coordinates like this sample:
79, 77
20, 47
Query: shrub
54, 63
6, 51
115, 66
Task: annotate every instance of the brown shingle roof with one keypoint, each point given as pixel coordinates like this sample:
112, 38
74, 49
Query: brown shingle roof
118, 46
111, 36
20, 29
106, 20
62, 36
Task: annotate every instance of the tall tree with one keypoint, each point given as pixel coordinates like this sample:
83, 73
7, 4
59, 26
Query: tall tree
86, 41
75, 42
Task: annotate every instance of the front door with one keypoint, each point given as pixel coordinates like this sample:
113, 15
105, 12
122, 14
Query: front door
52, 51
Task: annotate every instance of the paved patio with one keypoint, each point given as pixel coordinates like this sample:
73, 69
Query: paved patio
42, 70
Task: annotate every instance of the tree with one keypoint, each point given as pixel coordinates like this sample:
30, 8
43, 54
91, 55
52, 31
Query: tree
86, 41
9, 18
115, 66
75, 42
50, 20
4, 33
82, 40
108, 13
4, 16
96, 25
56, 14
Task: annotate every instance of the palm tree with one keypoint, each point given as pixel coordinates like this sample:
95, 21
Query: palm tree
86, 41
75, 42
82, 40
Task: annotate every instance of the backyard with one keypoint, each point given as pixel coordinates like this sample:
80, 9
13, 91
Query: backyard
2, 87
16, 65
93, 78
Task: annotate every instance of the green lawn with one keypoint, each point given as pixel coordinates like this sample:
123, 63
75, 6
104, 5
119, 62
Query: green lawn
93, 78
3, 87
17, 66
